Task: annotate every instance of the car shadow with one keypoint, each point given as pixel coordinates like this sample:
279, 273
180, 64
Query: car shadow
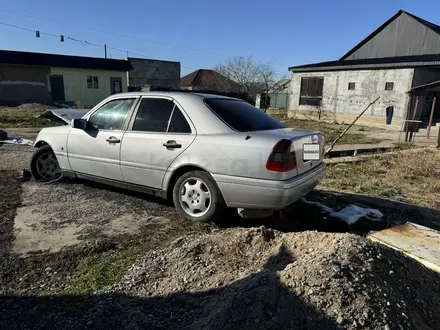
127, 192
258, 301
302, 216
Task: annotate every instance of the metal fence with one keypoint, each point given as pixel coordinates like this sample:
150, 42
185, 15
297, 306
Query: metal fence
279, 100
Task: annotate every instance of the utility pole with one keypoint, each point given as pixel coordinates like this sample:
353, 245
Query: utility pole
105, 50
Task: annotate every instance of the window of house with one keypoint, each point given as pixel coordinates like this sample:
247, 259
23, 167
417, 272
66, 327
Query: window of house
389, 86
112, 115
311, 90
351, 86
92, 82
153, 115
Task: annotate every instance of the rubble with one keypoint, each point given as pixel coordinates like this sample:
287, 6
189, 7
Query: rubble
259, 278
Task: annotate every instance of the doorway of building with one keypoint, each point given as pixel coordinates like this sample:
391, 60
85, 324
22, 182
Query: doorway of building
57, 88
116, 85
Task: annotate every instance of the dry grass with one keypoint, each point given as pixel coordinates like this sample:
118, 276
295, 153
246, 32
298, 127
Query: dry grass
24, 116
356, 134
410, 177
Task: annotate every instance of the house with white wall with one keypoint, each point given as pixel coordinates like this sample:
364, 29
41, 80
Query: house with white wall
392, 62
45, 78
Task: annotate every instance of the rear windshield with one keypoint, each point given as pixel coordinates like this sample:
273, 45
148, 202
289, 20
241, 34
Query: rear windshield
241, 116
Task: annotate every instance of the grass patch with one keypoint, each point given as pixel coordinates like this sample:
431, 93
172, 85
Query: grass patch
363, 135
97, 272
24, 116
410, 177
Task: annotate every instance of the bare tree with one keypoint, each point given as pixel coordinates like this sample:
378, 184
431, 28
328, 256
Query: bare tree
242, 70
319, 109
254, 78
268, 78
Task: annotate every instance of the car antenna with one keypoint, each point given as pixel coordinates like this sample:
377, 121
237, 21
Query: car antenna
247, 137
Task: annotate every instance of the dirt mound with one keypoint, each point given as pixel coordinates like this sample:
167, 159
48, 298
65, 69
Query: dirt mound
258, 278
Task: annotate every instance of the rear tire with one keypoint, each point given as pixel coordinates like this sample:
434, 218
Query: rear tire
44, 165
197, 198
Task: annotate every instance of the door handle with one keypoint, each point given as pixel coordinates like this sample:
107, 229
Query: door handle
172, 144
112, 139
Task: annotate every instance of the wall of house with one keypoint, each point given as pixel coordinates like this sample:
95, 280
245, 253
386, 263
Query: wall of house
23, 83
75, 84
154, 73
337, 99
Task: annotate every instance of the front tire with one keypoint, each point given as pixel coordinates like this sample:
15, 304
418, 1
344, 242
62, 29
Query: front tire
197, 197
44, 165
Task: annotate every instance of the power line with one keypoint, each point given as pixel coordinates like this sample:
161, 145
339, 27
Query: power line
84, 42
121, 35
110, 32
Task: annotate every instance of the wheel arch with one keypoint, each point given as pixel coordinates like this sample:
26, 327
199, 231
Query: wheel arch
40, 143
177, 173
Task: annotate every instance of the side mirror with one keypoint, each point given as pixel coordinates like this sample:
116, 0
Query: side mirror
79, 123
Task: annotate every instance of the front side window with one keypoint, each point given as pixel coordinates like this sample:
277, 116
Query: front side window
311, 90
153, 115
112, 115
242, 116
92, 82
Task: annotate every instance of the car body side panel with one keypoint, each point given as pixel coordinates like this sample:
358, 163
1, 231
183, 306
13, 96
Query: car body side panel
56, 137
90, 153
144, 159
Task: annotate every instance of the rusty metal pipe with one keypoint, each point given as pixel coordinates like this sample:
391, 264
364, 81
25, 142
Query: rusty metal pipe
431, 116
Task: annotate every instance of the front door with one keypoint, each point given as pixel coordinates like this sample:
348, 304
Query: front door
116, 85
96, 150
159, 133
57, 88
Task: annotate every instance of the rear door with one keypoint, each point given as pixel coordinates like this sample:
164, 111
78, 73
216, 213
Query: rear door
159, 132
96, 150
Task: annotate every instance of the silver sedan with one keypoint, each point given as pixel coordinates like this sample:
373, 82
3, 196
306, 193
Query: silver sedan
205, 152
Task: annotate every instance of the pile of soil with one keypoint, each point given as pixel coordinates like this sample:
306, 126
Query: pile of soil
259, 278
250, 279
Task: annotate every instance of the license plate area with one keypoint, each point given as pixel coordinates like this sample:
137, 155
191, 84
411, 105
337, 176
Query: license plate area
311, 151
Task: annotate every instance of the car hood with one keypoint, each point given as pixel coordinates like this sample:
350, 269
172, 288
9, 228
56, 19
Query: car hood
66, 115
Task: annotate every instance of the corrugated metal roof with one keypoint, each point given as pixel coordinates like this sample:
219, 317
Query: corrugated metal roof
66, 61
371, 63
429, 25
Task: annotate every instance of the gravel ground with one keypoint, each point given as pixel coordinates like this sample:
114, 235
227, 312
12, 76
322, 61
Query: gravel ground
250, 279
207, 278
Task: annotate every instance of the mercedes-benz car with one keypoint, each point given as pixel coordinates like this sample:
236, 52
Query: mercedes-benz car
204, 152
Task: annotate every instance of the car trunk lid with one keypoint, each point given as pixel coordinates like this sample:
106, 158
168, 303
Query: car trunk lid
305, 145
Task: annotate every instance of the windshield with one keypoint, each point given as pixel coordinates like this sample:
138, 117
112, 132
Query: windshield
242, 116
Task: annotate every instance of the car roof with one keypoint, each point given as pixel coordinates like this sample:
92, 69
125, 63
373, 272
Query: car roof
177, 95
204, 120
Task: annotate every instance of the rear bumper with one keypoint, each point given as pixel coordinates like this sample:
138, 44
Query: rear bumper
267, 194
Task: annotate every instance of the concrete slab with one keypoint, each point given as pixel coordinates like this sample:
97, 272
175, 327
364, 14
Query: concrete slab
416, 241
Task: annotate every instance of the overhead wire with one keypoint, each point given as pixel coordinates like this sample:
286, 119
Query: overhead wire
124, 35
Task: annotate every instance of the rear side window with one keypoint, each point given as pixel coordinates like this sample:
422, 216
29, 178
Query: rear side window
153, 115
178, 123
242, 116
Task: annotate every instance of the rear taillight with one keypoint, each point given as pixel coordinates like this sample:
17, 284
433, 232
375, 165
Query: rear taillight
281, 159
